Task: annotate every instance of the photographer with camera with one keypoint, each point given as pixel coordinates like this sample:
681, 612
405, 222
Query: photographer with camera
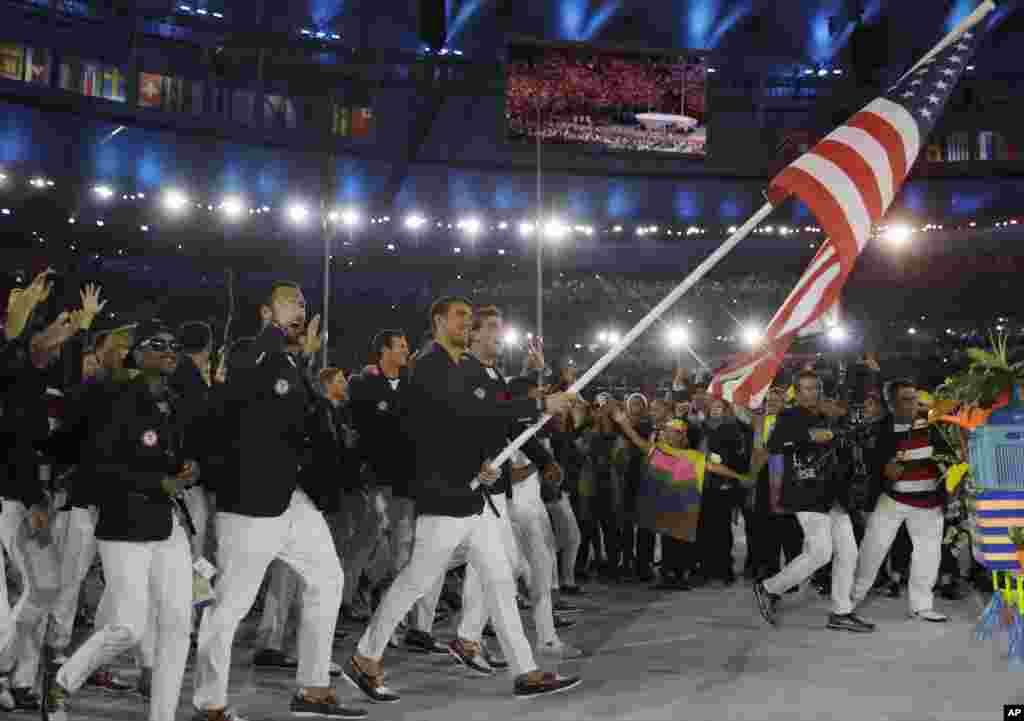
803, 436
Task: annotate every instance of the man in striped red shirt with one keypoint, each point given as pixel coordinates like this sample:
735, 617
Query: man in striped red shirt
913, 494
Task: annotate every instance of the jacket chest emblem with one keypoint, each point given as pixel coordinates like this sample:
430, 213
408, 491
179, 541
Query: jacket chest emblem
282, 387
150, 439
480, 393
382, 406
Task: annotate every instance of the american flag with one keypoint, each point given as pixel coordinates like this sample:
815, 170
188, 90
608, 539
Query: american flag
848, 182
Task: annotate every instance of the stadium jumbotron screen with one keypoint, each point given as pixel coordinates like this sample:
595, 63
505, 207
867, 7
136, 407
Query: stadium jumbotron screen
607, 100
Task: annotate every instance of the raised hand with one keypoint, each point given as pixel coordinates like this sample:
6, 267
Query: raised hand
22, 301
312, 340
92, 306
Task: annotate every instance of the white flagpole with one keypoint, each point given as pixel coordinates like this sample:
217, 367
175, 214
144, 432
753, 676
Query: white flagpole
966, 24
656, 312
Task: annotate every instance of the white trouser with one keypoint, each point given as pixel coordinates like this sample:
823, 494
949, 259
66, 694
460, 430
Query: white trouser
474, 602
437, 539
141, 577
283, 587
145, 653
827, 537
567, 536
925, 527
246, 546
401, 529
472, 596
532, 526
39, 568
78, 527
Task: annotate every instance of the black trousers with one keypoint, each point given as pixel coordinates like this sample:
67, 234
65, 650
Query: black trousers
677, 557
776, 534
714, 531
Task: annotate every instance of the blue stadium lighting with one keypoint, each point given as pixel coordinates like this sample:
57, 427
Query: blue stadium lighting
822, 73
185, 8
306, 31
201, 11
219, 16
837, 71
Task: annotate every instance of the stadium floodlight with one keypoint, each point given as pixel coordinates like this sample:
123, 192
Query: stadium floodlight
175, 201
415, 221
837, 334
614, 337
470, 226
232, 207
526, 228
752, 335
349, 217
298, 213
602, 337
555, 229
103, 192
898, 235
511, 336
677, 337
912, 331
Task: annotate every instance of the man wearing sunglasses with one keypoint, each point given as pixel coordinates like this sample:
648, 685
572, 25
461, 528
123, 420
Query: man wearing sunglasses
138, 461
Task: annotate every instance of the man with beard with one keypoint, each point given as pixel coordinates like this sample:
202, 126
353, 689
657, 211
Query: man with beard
263, 513
138, 464
451, 419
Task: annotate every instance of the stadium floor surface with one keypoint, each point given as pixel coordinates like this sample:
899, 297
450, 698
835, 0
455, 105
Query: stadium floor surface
703, 654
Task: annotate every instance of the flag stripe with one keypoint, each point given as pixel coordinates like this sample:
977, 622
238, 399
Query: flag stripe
857, 168
904, 123
874, 155
889, 138
848, 214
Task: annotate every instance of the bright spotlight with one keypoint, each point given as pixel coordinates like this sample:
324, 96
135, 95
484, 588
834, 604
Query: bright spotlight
898, 234
415, 222
837, 334
298, 213
602, 337
752, 336
555, 229
38, 183
104, 192
349, 217
677, 337
912, 331
613, 337
175, 201
470, 226
526, 228
511, 337
232, 207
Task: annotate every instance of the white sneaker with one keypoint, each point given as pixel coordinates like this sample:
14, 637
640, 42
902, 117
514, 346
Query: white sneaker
557, 649
930, 615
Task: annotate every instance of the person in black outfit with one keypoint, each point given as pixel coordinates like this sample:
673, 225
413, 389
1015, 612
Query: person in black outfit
803, 437
774, 533
452, 419
386, 452
264, 513
726, 438
138, 463
33, 344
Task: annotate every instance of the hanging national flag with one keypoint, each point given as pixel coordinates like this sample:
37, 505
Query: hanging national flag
848, 181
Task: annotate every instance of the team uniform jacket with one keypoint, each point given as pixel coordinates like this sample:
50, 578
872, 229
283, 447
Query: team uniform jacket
137, 446
376, 406
496, 386
265, 416
454, 421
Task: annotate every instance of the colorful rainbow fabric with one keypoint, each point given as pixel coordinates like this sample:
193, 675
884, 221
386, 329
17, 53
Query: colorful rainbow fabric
668, 499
